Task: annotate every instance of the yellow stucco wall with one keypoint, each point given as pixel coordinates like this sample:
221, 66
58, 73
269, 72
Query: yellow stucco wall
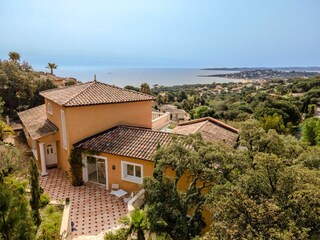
115, 177
55, 117
85, 121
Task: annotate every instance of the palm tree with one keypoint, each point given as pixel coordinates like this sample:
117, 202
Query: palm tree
52, 66
145, 88
137, 223
14, 56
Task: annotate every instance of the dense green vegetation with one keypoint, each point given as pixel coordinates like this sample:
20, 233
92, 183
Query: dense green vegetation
51, 221
15, 210
19, 209
20, 85
278, 102
266, 189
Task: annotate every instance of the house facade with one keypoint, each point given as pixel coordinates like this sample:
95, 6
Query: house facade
175, 113
73, 113
116, 123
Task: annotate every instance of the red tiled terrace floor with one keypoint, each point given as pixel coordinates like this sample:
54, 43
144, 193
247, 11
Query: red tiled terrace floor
93, 208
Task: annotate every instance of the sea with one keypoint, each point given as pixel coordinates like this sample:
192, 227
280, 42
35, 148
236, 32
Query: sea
135, 76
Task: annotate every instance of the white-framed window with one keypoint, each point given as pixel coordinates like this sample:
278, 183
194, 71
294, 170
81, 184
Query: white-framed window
64, 131
132, 172
49, 108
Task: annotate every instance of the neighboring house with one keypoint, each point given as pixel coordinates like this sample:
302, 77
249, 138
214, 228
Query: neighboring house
211, 129
58, 81
175, 113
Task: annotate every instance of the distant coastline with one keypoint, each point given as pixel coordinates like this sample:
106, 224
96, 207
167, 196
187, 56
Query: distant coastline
265, 74
311, 68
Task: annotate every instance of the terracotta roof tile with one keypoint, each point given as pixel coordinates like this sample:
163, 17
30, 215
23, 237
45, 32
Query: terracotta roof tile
126, 141
211, 130
36, 122
92, 93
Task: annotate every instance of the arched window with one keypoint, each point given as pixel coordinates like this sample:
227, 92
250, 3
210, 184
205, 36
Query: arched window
49, 109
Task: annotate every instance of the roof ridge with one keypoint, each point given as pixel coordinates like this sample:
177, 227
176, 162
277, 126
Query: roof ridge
128, 90
146, 129
89, 85
65, 87
201, 125
92, 93
220, 123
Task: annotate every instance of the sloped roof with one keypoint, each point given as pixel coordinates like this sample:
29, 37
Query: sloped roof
36, 122
211, 130
92, 93
126, 141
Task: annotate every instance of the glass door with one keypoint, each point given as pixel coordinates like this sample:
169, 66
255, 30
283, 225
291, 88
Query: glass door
92, 169
101, 169
96, 170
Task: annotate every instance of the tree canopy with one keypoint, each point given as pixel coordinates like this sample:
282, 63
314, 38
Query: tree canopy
52, 66
145, 88
175, 203
14, 56
20, 87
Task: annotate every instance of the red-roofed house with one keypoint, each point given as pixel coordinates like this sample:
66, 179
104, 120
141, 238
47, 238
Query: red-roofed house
118, 123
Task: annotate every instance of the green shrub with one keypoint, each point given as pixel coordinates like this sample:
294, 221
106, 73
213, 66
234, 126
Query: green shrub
44, 200
49, 228
120, 234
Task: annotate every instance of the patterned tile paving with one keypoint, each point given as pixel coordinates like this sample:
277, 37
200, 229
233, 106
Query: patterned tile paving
94, 209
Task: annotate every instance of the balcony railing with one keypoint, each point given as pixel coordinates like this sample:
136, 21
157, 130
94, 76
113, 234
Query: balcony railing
160, 120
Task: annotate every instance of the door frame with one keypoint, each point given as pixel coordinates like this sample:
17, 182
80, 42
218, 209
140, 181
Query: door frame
54, 146
85, 173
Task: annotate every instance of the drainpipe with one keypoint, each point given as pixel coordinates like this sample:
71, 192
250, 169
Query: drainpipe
43, 160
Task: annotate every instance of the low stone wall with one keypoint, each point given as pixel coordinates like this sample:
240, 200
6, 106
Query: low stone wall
137, 201
66, 228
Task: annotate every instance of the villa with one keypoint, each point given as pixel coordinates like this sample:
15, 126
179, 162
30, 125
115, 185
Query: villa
176, 114
117, 123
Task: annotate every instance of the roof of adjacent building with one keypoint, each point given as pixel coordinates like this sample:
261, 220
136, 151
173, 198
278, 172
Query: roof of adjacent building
171, 108
93, 93
36, 122
126, 141
211, 130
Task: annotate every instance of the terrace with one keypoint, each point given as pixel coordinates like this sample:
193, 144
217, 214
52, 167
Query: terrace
93, 211
160, 120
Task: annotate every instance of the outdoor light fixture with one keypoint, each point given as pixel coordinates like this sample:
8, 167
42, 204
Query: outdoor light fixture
113, 167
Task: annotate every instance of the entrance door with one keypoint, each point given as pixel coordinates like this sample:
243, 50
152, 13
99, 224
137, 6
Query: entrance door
96, 169
51, 154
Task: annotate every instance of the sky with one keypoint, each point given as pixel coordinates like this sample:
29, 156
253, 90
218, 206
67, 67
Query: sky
166, 33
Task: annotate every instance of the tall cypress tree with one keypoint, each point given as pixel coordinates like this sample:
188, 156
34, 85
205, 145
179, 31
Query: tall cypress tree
35, 191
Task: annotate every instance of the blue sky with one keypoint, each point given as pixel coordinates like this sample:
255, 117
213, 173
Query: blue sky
166, 33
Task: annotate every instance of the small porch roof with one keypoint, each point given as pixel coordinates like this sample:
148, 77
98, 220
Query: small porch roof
36, 123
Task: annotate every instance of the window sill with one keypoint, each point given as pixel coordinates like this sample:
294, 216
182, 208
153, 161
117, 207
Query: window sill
133, 179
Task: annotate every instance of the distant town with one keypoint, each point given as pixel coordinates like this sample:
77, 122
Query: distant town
263, 74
